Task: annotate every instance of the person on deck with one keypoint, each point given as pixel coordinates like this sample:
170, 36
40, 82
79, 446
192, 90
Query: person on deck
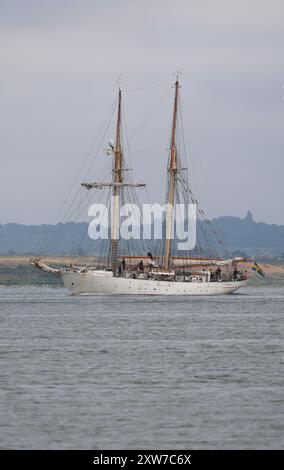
218, 274
141, 266
123, 264
149, 254
235, 274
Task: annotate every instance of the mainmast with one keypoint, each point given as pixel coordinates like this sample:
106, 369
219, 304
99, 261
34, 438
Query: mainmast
172, 169
118, 177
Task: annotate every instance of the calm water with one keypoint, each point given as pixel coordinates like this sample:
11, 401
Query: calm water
125, 372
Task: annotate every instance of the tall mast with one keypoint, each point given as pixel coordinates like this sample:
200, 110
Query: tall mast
117, 183
172, 169
117, 169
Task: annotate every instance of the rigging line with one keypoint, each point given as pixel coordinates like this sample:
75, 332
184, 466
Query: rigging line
68, 213
202, 232
81, 241
70, 207
62, 226
187, 186
183, 143
185, 149
105, 169
90, 151
106, 121
109, 244
84, 234
109, 115
106, 128
104, 242
87, 202
169, 85
60, 232
127, 139
150, 241
141, 243
76, 221
48, 242
164, 174
149, 116
204, 220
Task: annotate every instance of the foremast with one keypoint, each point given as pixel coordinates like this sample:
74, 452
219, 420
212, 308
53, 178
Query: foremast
117, 184
172, 170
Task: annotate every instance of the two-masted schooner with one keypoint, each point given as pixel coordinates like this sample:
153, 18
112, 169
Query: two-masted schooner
164, 275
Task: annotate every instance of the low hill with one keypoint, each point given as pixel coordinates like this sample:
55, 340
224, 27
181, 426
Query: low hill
243, 237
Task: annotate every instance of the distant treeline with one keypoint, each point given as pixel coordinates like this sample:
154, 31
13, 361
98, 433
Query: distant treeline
242, 237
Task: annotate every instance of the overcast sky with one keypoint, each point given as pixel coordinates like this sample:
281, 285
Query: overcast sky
59, 60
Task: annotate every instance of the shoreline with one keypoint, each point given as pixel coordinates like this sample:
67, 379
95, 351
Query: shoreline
17, 271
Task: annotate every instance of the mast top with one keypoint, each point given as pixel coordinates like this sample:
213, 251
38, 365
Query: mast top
118, 81
177, 75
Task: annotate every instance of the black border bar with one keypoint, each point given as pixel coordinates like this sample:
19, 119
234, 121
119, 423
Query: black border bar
141, 458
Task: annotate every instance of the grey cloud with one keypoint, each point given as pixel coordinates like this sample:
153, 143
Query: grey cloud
58, 64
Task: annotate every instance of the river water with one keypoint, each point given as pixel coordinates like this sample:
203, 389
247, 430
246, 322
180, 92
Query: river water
141, 372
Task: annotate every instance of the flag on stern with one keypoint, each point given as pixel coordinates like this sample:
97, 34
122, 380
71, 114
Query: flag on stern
258, 269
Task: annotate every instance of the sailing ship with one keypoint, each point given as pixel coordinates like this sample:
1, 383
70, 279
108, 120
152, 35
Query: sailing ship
157, 275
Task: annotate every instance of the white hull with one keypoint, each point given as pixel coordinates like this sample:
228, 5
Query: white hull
96, 282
